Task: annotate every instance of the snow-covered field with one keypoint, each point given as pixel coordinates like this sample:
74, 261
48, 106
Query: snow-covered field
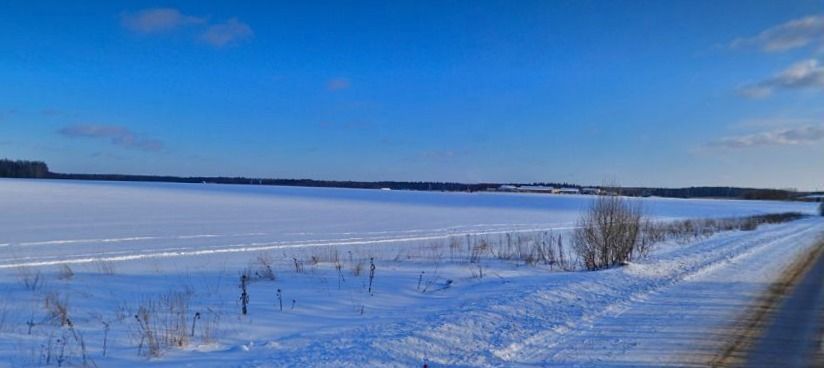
176, 250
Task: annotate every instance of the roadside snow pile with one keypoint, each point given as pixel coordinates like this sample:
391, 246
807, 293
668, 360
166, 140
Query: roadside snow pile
538, 319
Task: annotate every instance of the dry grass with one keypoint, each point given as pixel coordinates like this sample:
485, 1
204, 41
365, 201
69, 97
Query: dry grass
57, 307
105, 267
163, 323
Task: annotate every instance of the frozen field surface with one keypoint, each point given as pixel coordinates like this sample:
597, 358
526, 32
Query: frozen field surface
177, 250
46, 221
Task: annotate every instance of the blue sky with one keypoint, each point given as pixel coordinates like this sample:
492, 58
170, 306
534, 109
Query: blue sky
659, 93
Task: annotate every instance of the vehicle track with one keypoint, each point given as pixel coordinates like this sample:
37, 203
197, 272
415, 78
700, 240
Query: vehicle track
782, 328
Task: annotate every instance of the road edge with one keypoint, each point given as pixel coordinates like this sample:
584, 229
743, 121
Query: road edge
750, 324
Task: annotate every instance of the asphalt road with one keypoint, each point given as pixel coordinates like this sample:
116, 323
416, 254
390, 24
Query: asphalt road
792, 337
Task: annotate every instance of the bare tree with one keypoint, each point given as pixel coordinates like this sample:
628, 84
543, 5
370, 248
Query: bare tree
609, 233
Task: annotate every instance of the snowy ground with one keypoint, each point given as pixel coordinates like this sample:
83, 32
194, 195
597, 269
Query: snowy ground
131, 245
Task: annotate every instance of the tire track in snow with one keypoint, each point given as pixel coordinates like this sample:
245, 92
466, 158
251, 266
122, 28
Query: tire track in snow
243, 247
540, 346
127, 239
512, 329
462, 229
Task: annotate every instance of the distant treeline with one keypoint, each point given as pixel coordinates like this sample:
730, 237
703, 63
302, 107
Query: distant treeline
713, 192
394, 185
39, 170
23, 169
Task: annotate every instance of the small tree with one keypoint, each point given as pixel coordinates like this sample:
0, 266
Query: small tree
609, 233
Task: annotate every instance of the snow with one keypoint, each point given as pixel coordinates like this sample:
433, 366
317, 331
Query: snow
129, 243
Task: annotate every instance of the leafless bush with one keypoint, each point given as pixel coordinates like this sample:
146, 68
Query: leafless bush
686, 231
749, 224
162, 323
57, 308
210, 327
479, 248
104, 267
65, 273
454, 247
298, 265
325, 255
31, 279
264, 268
652, 233
357, 268
432, 251
608, 233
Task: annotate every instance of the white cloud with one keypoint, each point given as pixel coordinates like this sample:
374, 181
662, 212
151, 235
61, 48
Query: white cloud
167, 20
228, 33
787, 36
158, 20
779, 137
802, 75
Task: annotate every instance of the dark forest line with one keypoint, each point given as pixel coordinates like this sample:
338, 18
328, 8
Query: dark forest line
40, 170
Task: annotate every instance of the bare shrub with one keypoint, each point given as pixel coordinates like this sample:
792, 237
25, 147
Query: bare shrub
65, 273
162, 323
264, 268
357, 268
325, 255
298, 265
57, 308
686, 231
433, 251
104, 267
608, 233
478, 248
31, 279
749, 224
454, 247
210, 327
146, 332
652, 233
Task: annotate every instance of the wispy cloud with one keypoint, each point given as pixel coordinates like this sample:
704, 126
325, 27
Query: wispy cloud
337, 84
158, 20
117, 135
779, 137
229, 33
802, 75
167, 20
787, 36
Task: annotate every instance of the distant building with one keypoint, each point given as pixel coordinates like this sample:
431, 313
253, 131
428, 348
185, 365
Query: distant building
566, 191
590, 191
526, 189
539, 189
535, 189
